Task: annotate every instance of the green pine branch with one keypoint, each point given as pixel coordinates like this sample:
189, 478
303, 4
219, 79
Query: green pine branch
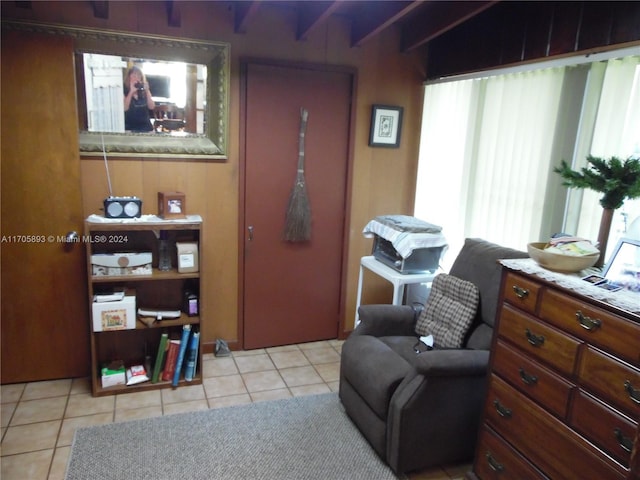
617, 179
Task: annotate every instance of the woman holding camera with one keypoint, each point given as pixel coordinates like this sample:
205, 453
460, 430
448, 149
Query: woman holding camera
137, 102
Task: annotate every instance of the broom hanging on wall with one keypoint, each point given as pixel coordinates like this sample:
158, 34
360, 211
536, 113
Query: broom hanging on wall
298, 220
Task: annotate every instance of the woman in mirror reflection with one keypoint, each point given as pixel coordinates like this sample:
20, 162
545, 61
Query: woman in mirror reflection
137, 102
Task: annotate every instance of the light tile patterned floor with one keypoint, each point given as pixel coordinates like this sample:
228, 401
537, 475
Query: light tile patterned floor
38, 419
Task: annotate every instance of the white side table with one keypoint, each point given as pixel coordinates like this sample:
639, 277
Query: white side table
397, 279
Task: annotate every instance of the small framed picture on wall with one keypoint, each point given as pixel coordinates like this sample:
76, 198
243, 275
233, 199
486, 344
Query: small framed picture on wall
386, 125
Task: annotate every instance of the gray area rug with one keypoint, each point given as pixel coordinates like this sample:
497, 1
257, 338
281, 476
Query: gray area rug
302, 438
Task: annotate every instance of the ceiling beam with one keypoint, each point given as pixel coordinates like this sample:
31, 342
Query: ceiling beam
100, 9
377, 17
313, 14
243, 11
437, 18
174, 14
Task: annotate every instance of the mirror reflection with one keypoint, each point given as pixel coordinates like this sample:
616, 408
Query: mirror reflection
125, 94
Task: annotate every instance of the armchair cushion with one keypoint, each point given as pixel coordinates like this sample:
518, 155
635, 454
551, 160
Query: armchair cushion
375, 371
449, 311
382, 320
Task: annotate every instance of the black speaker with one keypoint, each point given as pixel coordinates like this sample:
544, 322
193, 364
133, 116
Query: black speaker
122, 207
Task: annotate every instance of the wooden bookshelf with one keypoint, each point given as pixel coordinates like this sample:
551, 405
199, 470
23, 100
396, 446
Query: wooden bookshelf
157, 290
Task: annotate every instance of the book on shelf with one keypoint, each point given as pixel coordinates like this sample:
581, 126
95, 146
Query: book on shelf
160, 356
184, 343
192, 356
172, 356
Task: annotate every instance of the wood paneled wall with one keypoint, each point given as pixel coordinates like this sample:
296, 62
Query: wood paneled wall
383, 179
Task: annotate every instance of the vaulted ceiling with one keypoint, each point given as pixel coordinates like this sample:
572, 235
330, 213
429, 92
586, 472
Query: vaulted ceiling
461, 36
453, 36
420, 20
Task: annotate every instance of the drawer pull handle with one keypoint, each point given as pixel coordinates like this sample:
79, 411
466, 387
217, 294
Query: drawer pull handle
501, 409
634, 394
535, 340
528, 379
625, 442
520, 292
493, 463
588, 323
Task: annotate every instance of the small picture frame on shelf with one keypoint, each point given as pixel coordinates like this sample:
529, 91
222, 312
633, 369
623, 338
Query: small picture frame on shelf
172, 205
623, 268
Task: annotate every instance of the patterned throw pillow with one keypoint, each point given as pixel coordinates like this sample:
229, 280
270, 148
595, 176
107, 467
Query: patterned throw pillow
449, 311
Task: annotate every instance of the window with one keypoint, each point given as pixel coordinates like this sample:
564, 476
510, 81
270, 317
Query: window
489, 145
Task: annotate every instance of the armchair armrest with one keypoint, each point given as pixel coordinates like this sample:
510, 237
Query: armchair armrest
386, 320
450, 363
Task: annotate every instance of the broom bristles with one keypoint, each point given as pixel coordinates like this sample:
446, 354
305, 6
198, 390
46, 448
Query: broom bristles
298, 220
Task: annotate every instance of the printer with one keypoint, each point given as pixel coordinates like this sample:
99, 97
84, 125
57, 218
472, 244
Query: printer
406, 244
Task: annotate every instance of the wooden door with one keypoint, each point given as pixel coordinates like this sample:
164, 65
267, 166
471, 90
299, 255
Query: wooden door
292, 291
44, 293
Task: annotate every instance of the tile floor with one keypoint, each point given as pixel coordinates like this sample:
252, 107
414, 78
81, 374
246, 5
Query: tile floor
40, 418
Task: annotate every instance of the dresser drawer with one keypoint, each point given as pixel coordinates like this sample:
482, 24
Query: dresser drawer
496, 460
607, 428
536, 381
592, 324
615, 382
521, 292
538, 339
546, 441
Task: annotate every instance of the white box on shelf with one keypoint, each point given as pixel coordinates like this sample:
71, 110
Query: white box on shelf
187, 257
113, 375
117, 315
123, 263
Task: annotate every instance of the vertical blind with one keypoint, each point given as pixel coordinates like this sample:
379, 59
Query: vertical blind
616, 133
489, 145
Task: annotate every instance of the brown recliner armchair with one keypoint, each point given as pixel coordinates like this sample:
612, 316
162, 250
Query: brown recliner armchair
419, 410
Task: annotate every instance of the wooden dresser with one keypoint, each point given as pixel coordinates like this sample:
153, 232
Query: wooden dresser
564, 391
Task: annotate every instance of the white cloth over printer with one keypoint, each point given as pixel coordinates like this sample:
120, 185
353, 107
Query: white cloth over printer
406, 233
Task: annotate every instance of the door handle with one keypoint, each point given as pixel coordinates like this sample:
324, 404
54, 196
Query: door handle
250, 228
535, 340
520, 292
72, 237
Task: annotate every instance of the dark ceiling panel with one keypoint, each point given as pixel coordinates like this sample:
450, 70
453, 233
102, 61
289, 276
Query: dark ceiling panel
435, 18
377, 16
539, 17
567, 17
626, 22
513, 28
596, 25
474, 45
462, 36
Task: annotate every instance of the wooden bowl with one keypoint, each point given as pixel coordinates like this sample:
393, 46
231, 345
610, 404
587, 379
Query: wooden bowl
558, 262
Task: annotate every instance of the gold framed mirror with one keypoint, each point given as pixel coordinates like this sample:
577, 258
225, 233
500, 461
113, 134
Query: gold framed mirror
199, 129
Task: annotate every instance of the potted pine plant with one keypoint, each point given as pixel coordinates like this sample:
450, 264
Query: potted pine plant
617, 179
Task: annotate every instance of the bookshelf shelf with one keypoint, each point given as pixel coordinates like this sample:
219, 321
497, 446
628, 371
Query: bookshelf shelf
156, 275
158, 290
